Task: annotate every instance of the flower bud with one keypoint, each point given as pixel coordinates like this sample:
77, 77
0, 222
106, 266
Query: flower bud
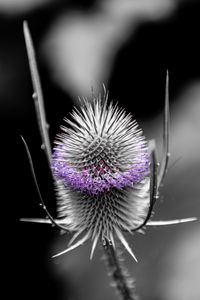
101, 163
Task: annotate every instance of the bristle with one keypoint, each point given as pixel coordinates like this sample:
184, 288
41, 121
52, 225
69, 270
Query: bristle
124, 242
94, 246
77, 244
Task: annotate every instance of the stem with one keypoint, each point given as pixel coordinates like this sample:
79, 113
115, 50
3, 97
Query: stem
123, 283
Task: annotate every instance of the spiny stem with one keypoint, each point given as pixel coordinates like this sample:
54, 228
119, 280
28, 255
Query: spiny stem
123, 283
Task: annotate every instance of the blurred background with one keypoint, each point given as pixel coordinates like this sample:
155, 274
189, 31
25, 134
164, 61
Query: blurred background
127, 45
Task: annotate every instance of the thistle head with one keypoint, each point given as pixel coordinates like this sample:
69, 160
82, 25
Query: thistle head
101, 166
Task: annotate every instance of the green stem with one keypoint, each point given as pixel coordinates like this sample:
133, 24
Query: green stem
123, 283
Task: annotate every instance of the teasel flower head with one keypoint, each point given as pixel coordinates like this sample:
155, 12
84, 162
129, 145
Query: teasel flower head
101, 168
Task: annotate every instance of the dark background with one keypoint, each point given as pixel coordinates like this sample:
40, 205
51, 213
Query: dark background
138, 73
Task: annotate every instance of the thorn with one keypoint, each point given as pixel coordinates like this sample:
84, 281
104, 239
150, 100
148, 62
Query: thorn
124, 242
93, 247
79, 243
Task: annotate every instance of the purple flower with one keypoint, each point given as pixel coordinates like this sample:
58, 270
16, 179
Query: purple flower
101, 166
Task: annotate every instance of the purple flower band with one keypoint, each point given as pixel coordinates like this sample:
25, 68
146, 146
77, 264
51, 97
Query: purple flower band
100, 178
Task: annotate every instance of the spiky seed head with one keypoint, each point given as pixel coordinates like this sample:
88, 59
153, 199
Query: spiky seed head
101, 166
